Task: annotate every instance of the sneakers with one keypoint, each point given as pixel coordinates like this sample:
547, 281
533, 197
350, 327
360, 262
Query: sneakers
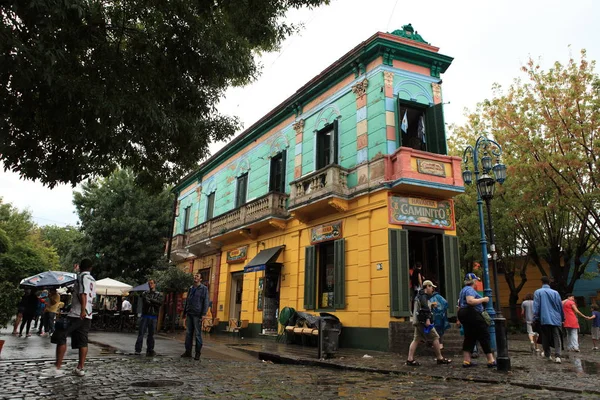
197, 356
78, 372
557, 360
594, 348
187, 354
150, 353
52, 373
28, 335
137, 353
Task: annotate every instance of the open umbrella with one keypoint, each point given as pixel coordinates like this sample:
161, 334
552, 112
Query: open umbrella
50, 279
141, 288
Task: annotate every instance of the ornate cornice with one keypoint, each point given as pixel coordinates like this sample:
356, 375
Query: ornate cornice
388, 78
360, 88
298, 126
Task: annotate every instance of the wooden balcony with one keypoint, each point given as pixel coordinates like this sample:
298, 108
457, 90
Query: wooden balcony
178, 242
331, 181
270, 205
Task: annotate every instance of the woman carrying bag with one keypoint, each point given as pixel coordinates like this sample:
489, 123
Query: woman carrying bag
470, 315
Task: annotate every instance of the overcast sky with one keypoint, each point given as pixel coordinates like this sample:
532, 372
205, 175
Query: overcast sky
489, 41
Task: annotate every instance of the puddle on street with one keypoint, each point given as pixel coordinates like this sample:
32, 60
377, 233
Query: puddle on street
586, 367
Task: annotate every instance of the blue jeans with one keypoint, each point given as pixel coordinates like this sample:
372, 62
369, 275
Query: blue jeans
146, 324
193, 323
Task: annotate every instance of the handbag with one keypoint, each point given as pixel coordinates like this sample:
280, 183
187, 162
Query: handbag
486, 317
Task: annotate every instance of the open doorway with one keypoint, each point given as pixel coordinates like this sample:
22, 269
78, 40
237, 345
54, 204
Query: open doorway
235, 300
427, 247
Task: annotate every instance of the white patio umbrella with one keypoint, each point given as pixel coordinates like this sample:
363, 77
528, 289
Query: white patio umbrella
111, 287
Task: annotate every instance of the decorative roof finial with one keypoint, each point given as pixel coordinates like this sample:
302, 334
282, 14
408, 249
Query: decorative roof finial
409, 32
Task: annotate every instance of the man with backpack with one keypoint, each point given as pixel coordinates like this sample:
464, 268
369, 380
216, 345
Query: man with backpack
423, 323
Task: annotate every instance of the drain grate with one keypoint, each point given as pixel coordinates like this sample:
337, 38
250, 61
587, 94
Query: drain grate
157, 383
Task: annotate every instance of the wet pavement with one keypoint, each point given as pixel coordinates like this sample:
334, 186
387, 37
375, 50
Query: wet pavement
231, 368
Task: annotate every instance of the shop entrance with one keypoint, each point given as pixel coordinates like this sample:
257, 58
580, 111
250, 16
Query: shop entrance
427, 247
235, 301
271, 298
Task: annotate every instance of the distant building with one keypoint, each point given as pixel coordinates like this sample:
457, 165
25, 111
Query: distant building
325, 203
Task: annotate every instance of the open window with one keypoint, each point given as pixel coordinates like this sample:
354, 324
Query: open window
421, 127
210, 205
277, 178
327, 143
187, 212
242, 188
324, 276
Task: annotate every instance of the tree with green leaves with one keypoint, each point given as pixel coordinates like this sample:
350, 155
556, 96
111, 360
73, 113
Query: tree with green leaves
88, 86
548, 127
68, 242
125, 226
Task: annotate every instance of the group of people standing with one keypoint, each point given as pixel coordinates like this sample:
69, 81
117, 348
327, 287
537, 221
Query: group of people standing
38, 308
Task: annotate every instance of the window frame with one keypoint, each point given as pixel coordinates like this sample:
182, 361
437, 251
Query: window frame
210, 206
187, 212
241, 190
333, 145
277, 184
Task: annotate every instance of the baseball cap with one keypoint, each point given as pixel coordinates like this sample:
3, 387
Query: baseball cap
471, 276
428, 283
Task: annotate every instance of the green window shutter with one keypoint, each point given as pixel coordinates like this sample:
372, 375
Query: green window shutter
339, 265
435, 130
452, 272
310, 264
399, 289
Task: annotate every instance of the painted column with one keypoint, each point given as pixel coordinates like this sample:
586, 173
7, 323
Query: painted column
362, 142
365, 310
390, 116
299, 128
436, 88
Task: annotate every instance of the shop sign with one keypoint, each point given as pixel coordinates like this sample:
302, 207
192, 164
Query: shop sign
430, 167
421, 212
237, 255
326, 232
254, 268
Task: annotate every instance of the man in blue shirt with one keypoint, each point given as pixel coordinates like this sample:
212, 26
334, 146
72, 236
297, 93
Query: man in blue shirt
196, 306
548, 311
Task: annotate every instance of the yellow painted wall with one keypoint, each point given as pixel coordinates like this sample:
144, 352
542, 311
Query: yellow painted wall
365, 228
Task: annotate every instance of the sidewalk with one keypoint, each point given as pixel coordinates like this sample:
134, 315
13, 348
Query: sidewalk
578, 372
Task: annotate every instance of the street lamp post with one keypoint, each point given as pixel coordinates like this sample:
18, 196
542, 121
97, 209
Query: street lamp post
485, 192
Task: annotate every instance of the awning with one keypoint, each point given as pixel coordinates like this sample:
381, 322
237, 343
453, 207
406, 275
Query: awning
264, 257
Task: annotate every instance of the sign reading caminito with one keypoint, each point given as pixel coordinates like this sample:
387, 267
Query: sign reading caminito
421, 212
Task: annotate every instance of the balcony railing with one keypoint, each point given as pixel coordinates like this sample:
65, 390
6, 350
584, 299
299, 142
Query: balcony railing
271, 205
178, 242
331, 180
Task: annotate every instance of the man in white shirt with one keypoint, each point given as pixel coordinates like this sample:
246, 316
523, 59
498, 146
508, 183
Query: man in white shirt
79, 320
126, 305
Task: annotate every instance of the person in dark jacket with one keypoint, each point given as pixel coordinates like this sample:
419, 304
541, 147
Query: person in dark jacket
196, 307
151, 302
30, 304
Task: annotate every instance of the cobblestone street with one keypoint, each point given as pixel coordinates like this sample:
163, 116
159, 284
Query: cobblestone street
119, 377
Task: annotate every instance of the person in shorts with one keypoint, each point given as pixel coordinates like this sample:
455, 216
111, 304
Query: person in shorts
424, 328
78, 321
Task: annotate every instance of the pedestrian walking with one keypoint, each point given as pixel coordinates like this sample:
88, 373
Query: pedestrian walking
548, 310
470, 315
125, 313
78, 321
50, 312
151, 302
39, 312
595, 325
527, 315
196, 306
29, 309
571, 323
20, 310
424, 328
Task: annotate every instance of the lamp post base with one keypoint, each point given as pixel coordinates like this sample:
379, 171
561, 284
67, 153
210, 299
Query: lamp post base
502, 357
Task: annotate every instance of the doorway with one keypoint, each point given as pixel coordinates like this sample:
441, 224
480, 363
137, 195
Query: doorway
235, 301
427, 247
